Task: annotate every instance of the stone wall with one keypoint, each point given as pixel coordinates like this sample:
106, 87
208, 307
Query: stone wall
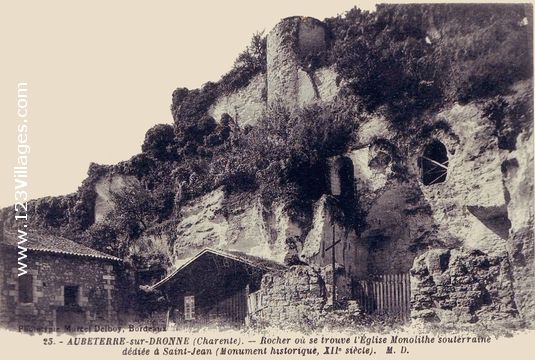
296, 296
282, 64
457, 286
325, 81
96, 279
300, 299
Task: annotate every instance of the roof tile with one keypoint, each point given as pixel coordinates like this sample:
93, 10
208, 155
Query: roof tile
53, 244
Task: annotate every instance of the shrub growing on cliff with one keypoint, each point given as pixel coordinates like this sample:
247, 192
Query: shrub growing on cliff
386, 61
408, 59
132, 209
483, 49
160, 142
136, 207
103, 237
284, 157
52, 212
251, 61
510, 116
189, 107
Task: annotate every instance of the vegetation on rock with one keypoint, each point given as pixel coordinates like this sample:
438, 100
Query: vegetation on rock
409, 59
400, 61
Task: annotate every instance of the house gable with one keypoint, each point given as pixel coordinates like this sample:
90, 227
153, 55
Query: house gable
214, 285
66, 285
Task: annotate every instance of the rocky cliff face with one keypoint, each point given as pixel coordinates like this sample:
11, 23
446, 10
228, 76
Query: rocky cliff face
245, 105
249, 227
104, 188
448, 199
475, 216
445, 202
463, 286
467, 241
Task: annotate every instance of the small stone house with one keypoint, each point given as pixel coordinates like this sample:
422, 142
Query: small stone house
214, 287
63, 285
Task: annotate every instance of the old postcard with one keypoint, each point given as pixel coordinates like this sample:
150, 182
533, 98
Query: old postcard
282, 179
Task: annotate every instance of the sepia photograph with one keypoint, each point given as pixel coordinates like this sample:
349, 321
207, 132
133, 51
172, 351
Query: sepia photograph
279, 179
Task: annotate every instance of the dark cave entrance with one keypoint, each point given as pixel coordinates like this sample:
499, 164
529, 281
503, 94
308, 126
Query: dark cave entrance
434, 163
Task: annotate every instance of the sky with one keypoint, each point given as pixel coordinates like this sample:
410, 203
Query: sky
99, 74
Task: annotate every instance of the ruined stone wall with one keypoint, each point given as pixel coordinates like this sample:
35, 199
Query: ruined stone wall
296, 296
316, 86
97, 294
300, 299
282, 63
458, 286
325, 81
288, 45
306, 91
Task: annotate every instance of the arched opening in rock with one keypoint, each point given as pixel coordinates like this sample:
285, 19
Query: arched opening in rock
342, 178
434, 163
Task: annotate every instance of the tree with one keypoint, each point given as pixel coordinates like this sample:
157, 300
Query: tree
160, 142
133, 209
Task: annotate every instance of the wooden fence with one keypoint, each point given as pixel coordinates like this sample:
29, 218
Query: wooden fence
385, 294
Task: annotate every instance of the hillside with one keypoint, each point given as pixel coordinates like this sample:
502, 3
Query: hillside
332, 122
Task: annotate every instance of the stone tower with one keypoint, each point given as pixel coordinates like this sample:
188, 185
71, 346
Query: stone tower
290, 47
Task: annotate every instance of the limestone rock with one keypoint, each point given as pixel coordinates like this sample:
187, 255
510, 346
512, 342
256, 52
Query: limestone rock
462, 286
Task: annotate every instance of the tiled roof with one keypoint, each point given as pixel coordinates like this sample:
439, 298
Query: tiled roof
53, 244
251, 260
